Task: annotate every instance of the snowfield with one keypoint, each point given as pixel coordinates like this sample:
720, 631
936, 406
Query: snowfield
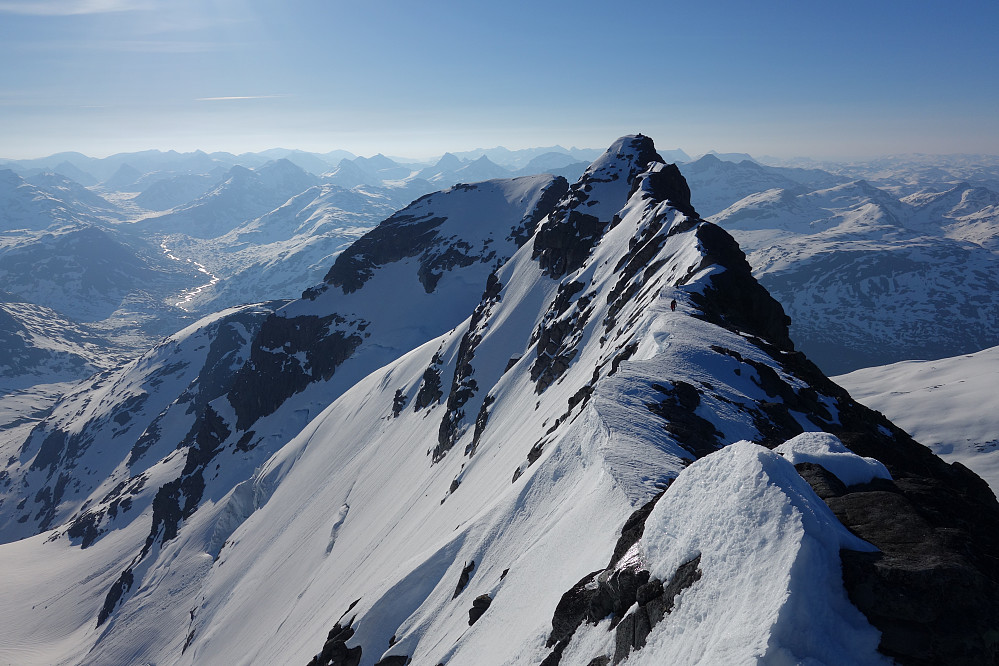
950, 404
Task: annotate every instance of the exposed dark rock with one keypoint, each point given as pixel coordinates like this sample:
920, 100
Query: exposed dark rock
430, 389
408, 233
926, 590
633, 529
244, 442
668, 184
51, 452
631, 264
274, 373
622, 356
464, 386
394, 660
555, 657
825, 484
149, 436
433, 267
114, 595
581, 397
335, 651
479, 606
401, 236
692, 432
563, 243
734, 299
553, 193
466, 575
685, 575
655, 601
480, 424
613, 591
88, 525
398, 403
558, 334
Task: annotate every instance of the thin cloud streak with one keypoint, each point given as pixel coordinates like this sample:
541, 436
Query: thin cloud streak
238, 97
72, 7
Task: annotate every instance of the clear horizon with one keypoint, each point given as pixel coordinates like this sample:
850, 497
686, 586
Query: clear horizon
427, 158
103, 77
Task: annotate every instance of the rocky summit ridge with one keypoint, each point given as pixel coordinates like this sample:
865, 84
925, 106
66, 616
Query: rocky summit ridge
521, 421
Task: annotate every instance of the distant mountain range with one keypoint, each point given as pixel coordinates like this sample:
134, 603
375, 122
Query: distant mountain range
871, 271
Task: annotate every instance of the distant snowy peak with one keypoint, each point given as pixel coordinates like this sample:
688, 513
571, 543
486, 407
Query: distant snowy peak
383, 168
717, 184
963, 212
41, 346
448, 162
50, 200
348, 174
437, 229
285, 176
171, 191
962, 199
855, 209
71, 191
145, 408
244, 195
481, 169
450, 169
122, 179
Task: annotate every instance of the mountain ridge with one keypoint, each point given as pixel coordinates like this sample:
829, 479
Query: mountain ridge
616, 343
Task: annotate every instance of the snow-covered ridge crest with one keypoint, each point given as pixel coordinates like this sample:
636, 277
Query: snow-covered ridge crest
768, 548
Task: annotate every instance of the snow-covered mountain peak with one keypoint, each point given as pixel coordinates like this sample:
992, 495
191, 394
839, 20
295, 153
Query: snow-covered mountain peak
9, 180
592, 204
512, 427
449, 161
623, 160
285, 175
377, 162
348, 174
455, 227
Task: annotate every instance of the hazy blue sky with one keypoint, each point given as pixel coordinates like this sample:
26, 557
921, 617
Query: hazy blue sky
417, 78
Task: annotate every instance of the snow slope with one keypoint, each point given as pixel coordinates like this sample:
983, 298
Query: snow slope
109, 431
243, 195
40, 346
949, 404
287, 249
48, 201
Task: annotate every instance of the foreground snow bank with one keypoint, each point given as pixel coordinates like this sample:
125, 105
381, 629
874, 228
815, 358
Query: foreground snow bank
771, 587
826, 450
